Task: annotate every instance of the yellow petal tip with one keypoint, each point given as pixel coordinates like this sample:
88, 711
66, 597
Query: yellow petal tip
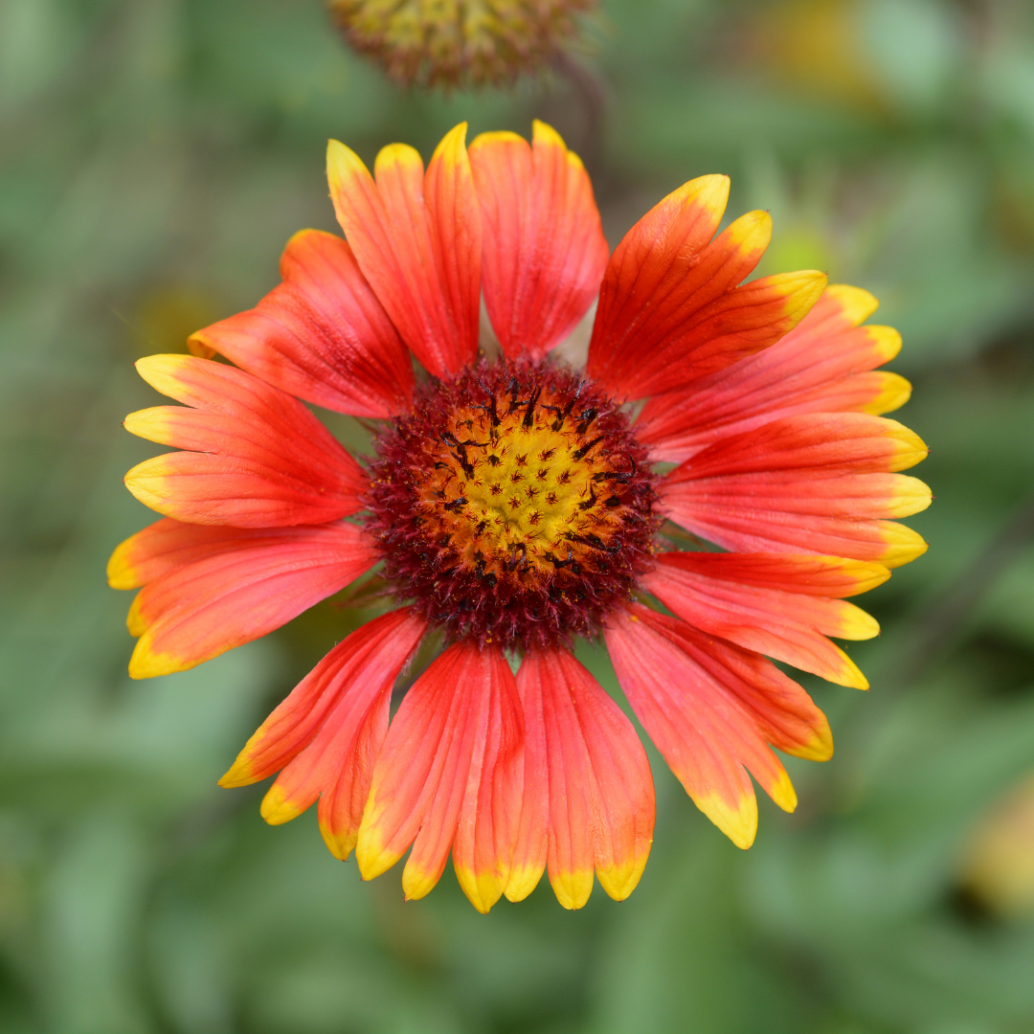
147, 665
152, 424
894, 392
339, 844
783, 793
372, 856
856, 304
417, 883
483, 890
523, 880
903, 545
239, 773
543, 133
886, 341
572, 889
120, 571
402, 155
620, 880
738, 822
277, 808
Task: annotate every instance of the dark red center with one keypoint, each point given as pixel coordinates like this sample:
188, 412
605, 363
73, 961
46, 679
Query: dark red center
513, 504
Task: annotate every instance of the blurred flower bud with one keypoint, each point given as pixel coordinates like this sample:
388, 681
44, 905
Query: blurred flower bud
456, 44
998, 868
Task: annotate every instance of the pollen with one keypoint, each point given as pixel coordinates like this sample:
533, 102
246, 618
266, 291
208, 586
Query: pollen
514, 504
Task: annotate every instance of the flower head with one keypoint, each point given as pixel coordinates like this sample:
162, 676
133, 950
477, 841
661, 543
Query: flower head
516, 503
448, 43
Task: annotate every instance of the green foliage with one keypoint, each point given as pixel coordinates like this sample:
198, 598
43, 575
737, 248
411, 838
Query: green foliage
156, 155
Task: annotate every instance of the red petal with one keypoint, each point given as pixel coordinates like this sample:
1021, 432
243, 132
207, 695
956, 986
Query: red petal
810, 483
450, 776
321, 335
329, 731
707, 737
353, 674
600, 792
829, 576
723, 599
820, 366
169, 544
544, 251
249, 588
531, 850
669, 309
783, 713
262, 459
417, 239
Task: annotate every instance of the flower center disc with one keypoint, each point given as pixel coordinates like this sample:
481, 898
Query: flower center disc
513, 504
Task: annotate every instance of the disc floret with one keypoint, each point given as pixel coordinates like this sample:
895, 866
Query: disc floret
513, 504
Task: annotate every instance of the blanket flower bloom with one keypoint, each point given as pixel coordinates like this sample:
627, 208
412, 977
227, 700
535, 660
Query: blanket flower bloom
515, 503
450, 44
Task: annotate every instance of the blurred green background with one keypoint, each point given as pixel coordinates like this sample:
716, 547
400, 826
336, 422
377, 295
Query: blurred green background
155, 155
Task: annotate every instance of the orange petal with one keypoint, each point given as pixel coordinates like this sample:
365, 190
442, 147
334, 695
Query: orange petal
782, 712
707, 737
544, 251
822, 365
322, 335
811, 483
449, 777
670, 311
252, 586
601, 802
261, 459
169, 544
532, 846
789, 626
355, 671
417, 239
326, 735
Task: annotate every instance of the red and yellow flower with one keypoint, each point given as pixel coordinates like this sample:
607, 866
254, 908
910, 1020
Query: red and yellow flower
515, 503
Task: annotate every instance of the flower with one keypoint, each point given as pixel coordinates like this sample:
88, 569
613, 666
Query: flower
448, 43
516, 503
997, 864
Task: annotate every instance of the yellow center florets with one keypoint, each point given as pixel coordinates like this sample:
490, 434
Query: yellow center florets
524, 491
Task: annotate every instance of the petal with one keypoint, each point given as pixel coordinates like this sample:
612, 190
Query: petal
250, 587
322, 335
822, 365
789, 626
169, 544
450, 776
846, 442
601, 806
670, 311
707, 737
544, 249
261, 458
830, 576
354, 673
417, 239
327, 733
812, 483
781, 711
531, 849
